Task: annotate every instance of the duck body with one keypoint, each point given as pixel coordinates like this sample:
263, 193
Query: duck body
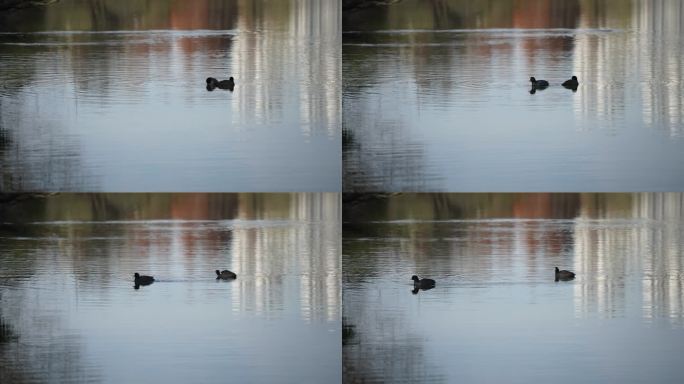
225, 275
213, 83
564, 275
142, 280
572, 83
538, 84
227, 84
422, 283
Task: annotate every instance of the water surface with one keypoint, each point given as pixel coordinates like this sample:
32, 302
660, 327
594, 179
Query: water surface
96, 96
496, 311
70, 312
437, 97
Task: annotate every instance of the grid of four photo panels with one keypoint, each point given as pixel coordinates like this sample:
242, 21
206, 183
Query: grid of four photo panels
341, 191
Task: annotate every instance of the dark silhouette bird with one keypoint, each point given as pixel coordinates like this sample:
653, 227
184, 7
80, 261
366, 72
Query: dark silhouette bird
539, 84
571, 84
225, 275
423, 284
564, 275
213, 83
142, 280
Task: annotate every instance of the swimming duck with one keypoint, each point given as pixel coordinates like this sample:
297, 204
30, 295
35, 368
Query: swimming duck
539, 84
212, 83
422, 283
571, 84
142, 280
564, 275
225, 275
227, 84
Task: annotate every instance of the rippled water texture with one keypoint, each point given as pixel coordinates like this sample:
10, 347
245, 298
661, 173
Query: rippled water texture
97, 96
437, 98
496, 313
69, 311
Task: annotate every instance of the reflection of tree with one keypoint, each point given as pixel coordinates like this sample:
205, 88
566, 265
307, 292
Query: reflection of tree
22, 171
10, 371
112, 15
377, 155
7, 334
9, 5
450, 206
399, 356
21, 136
455, 14
24, 351
350, 5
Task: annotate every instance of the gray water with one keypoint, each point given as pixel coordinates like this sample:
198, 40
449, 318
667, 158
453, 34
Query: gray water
70, 312
497, 314
437, 97
96, 96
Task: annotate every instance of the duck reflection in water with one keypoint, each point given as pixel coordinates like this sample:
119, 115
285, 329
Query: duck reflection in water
538, 84
573, 83
139, 280
213, 83
421, 284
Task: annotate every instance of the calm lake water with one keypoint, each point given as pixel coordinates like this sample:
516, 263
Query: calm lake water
436, 97
70, 312
496, 313
100, 96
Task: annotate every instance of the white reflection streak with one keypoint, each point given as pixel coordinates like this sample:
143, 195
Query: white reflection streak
250, 259
657, 50
177, 249
313, 46
651, 252
596, 64
593, 264
301, 250
647, 57
254, 57
320, 285
663, 290
320, 21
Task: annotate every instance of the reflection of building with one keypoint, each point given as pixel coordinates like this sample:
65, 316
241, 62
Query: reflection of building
632, 263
